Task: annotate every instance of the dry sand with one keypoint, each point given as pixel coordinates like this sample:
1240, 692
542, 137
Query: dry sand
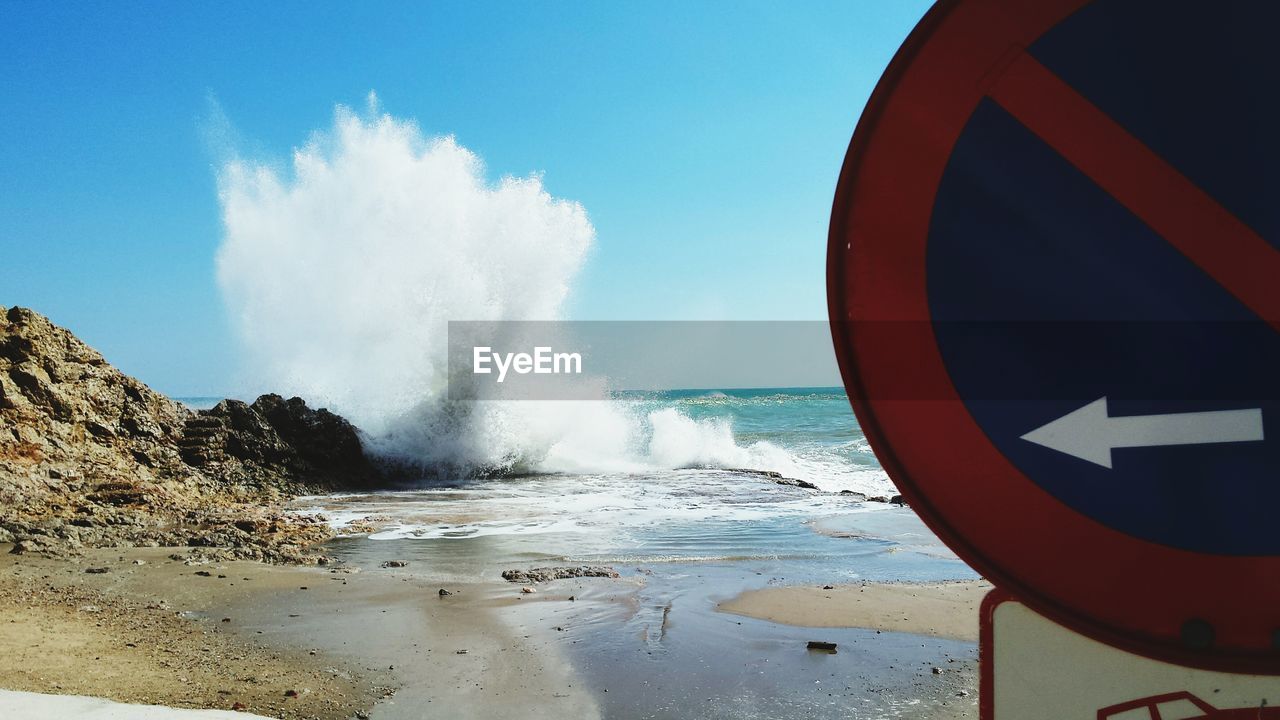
138, 634
948, 610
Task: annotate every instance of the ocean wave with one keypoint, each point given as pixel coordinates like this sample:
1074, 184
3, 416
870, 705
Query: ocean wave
342, 272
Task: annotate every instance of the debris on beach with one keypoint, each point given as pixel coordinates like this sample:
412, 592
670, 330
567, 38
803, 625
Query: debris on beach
444, 592
527, 590
547, 574
822, 645
395, 563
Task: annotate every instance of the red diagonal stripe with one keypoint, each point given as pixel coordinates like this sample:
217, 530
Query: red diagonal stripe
1184, 215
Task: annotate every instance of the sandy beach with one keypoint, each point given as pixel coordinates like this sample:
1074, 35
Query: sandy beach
383, 643
948, 610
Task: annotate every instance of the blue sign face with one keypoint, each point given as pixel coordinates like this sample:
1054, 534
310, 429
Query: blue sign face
1109, 367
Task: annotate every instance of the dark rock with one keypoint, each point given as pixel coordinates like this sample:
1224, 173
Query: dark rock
278, 442
395, 564
96, 570
319, 437
854, 495
546, 574
898, 500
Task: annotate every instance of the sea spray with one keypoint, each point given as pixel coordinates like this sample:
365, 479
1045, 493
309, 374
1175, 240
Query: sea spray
341, 272
341, 275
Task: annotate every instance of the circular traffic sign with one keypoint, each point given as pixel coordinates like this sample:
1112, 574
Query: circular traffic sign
1054, 288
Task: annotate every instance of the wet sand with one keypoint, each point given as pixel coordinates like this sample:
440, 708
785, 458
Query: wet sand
284, 642
946, 610
450, 656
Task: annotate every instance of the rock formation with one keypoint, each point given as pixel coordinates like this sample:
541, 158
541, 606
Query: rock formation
90, 456
277, 443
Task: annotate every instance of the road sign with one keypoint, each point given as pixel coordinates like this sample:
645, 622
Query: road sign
1031, 668
1054, 288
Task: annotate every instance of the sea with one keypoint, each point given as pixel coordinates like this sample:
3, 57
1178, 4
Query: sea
712, 487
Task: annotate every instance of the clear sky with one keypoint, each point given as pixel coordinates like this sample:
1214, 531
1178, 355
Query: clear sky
703, 139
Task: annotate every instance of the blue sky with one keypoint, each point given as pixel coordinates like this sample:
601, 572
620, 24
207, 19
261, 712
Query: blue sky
703, 139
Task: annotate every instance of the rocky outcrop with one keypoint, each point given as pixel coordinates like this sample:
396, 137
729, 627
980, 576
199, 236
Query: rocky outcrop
92, 457
277, 443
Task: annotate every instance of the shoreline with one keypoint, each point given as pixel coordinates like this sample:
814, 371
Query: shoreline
937, 609
362, 641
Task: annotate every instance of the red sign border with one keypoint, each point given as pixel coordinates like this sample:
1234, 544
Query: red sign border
1080, 573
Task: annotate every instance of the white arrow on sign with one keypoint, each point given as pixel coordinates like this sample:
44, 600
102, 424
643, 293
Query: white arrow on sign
1090, 434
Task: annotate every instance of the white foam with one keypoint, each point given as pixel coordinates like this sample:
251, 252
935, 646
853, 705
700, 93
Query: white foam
606, 504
